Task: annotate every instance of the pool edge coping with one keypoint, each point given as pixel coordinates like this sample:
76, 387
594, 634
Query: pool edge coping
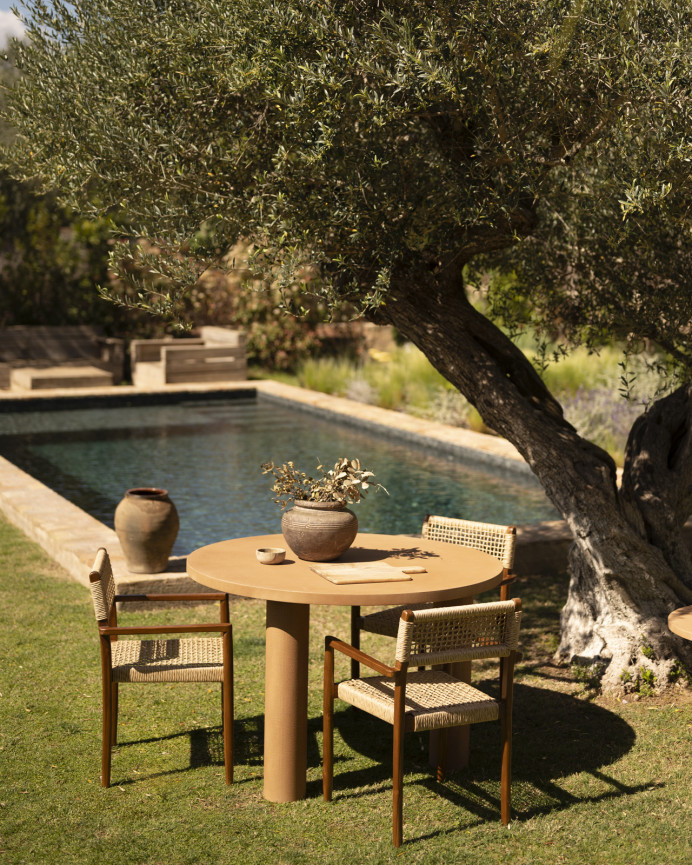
72, 537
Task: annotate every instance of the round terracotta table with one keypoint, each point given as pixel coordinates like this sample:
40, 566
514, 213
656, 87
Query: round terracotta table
680, 622
452, 572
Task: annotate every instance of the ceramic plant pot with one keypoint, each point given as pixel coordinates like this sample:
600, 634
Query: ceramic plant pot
319, 531
146, 522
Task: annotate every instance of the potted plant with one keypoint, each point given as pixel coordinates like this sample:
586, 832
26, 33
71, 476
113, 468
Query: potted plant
319, 526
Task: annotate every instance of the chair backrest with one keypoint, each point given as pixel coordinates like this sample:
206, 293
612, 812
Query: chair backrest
444, 635
497, 541
102, 586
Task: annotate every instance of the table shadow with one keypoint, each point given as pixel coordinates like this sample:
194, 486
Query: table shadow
555, 735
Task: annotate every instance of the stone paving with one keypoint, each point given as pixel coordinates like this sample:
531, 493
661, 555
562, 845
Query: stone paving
72, 537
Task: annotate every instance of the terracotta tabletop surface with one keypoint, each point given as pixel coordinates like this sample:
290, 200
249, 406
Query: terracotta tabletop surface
452, 571
680, 622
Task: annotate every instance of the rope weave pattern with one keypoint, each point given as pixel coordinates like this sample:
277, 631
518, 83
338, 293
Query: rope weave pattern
386, 622
498, 541
176, 660
102, 586
448, 634
433, 700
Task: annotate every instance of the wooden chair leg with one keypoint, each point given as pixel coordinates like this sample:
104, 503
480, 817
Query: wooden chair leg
227, 707
328, 726
506, 585
355, 640
506, 741
114, 713
398, 785
506, 776
441, 754
107, 732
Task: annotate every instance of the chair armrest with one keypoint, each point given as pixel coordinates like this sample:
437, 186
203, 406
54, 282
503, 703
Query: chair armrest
221, 627
170, 596
357, 655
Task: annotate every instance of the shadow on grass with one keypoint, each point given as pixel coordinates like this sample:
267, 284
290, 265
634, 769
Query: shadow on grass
206, 747
555, 736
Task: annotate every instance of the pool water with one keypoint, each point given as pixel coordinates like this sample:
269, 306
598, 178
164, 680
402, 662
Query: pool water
208, 454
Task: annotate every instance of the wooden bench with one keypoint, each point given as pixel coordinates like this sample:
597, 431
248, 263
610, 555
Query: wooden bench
75, 355
217, 355
149, 350
33, 378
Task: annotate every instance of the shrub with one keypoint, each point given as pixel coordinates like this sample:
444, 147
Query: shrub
327, 375
231, 297
403, 379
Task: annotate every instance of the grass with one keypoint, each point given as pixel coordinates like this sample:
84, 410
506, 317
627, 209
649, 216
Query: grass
595, 780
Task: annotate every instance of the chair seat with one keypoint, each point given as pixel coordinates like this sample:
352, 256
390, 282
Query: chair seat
176, 660
434, 699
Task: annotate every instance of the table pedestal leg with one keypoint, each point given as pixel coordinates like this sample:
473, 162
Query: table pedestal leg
286, 701
458, 738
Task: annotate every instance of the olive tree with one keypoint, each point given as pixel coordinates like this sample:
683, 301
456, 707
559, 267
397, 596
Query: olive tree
392, 146
50, 259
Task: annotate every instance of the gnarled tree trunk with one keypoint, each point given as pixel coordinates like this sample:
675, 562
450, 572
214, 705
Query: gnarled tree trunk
629, 564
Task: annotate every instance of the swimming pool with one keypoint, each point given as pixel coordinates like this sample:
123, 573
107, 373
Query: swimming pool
208, 453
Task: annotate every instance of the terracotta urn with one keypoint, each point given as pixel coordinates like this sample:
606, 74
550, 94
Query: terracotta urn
146, 522
319, 531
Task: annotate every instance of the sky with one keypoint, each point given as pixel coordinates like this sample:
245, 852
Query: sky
9, 25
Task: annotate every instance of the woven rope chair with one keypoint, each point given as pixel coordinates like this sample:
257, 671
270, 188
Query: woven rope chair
197, 659
498, 541
430, 699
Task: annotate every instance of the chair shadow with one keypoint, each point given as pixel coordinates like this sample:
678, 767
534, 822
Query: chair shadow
555, 735
206, 747
358, 554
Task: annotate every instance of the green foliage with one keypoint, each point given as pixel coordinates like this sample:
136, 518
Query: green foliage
589, 675
404, 380
327, 374
50, 261
678, 673
277, 337
581, 368
643, 681
281, 329
400, 379
647, 681
648, 651
366, 138
588, 276
51, 258
403, 376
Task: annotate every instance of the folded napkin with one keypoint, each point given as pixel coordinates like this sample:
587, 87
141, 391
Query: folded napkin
365, 572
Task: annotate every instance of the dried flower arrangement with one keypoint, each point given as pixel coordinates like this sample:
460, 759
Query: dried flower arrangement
347, 482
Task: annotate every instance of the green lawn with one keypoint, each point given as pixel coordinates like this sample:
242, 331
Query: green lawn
595, 780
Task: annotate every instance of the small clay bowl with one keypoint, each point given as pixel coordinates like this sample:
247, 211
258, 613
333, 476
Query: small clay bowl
270, 555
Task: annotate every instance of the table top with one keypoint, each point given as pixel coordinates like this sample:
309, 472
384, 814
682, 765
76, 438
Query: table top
452, 571
680, 622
